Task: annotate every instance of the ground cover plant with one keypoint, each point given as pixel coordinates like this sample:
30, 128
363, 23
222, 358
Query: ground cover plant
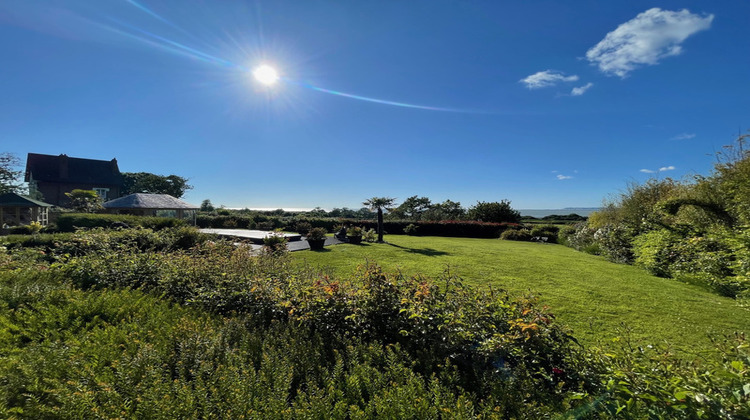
599, 300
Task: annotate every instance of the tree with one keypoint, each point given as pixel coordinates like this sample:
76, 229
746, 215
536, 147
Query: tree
378, 204
411, 209
85, 201
144, 182
206, 205
447, 210
494, 212
9, 175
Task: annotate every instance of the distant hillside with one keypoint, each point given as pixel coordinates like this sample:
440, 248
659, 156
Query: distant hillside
581, 211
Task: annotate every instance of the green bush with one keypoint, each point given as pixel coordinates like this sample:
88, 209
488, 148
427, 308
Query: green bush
656, 251
303, 227
411, 229
516, 235
546, 231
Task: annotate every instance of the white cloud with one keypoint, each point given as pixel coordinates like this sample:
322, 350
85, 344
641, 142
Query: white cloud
662, 169
684, 136
578, 91
646, 39
546, 78
563, 177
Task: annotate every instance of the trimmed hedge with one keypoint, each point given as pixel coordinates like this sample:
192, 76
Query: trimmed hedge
447, 228
69, 222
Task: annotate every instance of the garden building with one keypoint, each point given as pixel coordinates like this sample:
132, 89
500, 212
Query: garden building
162, 205
17, 210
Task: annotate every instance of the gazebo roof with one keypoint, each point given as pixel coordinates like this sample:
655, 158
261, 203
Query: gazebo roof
15, 200
149, 201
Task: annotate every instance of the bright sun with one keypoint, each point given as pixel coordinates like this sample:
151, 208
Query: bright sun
266, 75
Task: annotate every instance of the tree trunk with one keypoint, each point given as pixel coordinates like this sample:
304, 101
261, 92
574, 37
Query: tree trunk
380, 225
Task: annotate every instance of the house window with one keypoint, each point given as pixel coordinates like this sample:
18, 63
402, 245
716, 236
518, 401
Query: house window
102, 192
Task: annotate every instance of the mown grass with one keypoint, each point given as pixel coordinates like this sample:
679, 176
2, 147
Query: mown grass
597, 299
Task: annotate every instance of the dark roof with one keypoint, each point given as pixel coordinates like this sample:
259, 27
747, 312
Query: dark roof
49, 168
148, 201
15, 200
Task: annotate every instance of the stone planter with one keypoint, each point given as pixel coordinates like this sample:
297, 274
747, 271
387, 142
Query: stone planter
316, 244
355, 239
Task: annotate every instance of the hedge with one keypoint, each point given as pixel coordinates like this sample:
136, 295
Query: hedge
449, 228
69, 222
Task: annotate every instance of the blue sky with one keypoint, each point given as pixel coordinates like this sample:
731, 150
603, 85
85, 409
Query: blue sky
547, 104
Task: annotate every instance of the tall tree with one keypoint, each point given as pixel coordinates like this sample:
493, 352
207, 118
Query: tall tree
494, 212
411, 209
378, 204
144, 182
10, 177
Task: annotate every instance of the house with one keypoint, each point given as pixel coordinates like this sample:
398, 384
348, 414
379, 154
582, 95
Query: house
53, 176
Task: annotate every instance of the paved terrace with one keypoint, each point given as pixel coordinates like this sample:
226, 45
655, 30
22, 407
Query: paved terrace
294, 241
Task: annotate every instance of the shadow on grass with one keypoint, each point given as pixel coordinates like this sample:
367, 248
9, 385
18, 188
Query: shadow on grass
422, 251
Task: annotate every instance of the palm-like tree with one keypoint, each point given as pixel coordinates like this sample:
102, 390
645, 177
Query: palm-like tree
380, 203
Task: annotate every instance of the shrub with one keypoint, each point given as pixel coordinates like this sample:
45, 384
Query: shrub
411, 229
545, 231
655, 251
369, 235
615, 243
516, 235
303, 227
275, 243
316, 234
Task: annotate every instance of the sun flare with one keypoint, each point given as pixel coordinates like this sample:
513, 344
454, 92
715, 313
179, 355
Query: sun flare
266, 75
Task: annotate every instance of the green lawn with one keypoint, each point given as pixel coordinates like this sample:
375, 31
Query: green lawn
594, 297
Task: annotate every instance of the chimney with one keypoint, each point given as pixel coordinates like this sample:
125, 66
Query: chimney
115, 169
63, 166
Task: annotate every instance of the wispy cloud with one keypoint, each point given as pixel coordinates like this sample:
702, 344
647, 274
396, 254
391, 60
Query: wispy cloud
684, 136
563, 177
646, 39
662, 169
578, 91
546, 78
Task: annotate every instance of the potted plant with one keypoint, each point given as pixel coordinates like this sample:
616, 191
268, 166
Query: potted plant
354, 234
316, 238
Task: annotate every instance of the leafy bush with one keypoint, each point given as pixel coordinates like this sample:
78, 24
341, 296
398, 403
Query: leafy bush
546, 231
615, 243
369, 235
275, 243
516, 235
582, 239
655, 251
411, 229
303, 227
317, 234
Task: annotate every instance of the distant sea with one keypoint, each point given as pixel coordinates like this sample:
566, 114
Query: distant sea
581, 211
